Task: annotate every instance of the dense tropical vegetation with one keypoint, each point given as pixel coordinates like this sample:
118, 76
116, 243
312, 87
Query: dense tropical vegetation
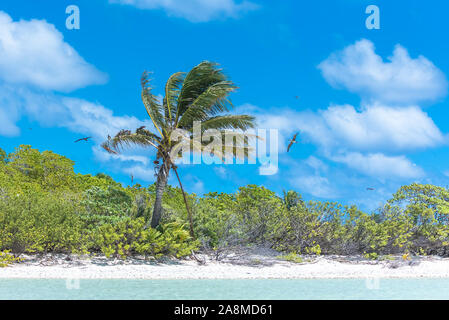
45, 207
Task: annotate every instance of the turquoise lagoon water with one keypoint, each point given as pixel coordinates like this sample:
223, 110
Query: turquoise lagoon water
225, 289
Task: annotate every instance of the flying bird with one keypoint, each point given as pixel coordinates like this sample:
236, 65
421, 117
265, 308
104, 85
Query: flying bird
132, 179
370, 189
83, 139
292, 141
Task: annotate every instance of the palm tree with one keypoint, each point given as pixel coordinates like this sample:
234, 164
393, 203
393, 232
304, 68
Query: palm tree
200, 95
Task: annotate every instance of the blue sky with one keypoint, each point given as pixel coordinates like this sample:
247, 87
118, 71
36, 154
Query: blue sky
371, 107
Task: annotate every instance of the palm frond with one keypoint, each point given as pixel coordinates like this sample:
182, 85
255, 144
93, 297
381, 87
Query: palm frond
151, 104
125, 138
106, 146
197, 81
240, 122
242, 152
208, 104
232, 152
172, 91
239, 147
147, 133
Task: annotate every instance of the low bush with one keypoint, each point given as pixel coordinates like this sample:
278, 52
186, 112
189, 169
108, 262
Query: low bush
7, 259
130, 236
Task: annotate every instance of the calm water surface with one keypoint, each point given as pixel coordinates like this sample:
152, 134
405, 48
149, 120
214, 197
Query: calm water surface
225, 289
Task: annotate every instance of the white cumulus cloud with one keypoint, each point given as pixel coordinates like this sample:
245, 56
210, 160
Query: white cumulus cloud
53, 110
194, 10
374, 128
381, 166
400, 79
34, 53
377, 127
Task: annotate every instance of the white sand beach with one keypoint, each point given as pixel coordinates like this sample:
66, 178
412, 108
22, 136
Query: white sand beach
246, 264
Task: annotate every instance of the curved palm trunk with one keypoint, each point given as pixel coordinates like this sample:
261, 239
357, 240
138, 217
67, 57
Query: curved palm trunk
189, 213
161, 182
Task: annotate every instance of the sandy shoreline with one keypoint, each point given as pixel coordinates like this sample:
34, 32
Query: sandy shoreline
250, 265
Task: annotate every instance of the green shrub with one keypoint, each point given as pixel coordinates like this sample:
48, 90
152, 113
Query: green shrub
292, 257
216, 224
130, 236
7, 259
108, 205
39, 222
256, 207
371, 255
176, 240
